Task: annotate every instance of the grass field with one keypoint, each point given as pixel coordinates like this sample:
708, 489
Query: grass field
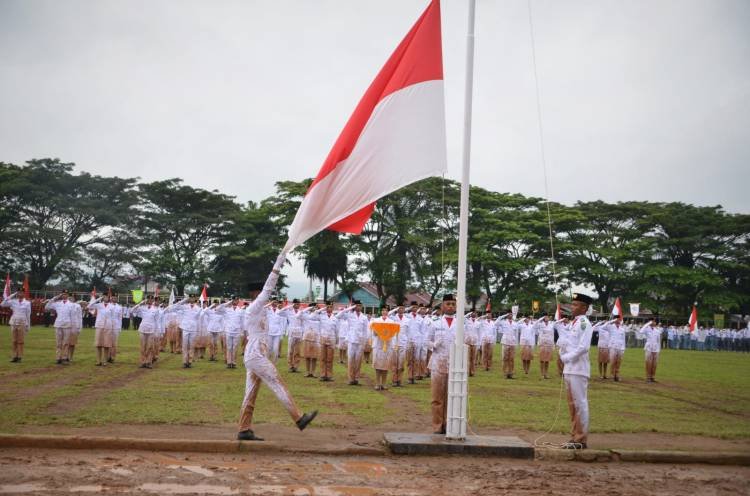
700, 393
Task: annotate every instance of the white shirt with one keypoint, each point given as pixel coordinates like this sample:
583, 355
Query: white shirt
578, 342
546, 331
276, 322
233, 318
359, 330
64, 310
20, 311
528, 333
653, 338
442, 338
508, 328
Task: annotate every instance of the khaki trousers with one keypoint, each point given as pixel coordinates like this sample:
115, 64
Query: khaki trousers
354, 360
188, 341
472, 359
147, 349
439, 390
487, 349
61, 342
509, 359
294, 353
18, 333
326, 360
651, 361
411, 361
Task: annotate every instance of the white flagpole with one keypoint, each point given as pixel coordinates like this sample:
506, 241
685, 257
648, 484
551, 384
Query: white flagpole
458, 392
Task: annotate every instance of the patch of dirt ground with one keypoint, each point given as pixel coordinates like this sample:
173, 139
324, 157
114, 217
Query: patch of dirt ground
107, 472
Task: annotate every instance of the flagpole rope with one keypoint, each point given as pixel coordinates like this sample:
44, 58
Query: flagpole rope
542, 149
540, 126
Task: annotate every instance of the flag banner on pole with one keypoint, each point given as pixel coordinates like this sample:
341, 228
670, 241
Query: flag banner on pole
93, 295
514, 310
6, 289
156, 291
385, 331
204, 294
693, 320
558, 312
635, 309
171, 296
395, 136
26, 291
617, 309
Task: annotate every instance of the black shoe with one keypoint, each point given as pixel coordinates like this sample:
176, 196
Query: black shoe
14, 360
184, 365
440, 432
59, 361
229, 365
411, 381
574, 446
305, 419
352, 383
110, 360
617, 379
18, 359
248, 435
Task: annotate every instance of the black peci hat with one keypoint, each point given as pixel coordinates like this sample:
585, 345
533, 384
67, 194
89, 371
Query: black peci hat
583, 298
449, 297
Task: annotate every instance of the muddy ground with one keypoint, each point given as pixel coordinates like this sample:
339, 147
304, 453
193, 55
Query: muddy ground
367, 436
25, 471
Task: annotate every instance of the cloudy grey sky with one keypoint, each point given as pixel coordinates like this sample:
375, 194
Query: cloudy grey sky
641, 99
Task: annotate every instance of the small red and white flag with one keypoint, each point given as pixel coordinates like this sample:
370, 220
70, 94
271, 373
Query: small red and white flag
617, 309
488, 307
693, 321
6, 290
558, 313
395, 136
26, 291
93, 294
156, 291
204, 294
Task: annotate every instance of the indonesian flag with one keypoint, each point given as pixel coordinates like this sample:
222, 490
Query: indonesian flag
617, 309
693, 320
488, 307
395, 136
26, 291
172, 296
156, 291
6, 290
93, 294
204, 294
558, 313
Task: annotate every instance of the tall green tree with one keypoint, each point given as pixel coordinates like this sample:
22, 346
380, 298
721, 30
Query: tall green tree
51, 215
181, 228
248, 252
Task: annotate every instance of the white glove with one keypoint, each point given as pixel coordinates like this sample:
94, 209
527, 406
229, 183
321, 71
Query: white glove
279, 261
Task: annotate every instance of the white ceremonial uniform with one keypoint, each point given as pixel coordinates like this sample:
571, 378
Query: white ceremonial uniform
259, 368
20, 323
576, 372
63, 323
190, 313
442, 337
277, 323
357, 336
233, 328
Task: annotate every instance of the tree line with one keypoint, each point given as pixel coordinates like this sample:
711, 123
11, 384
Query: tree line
81, 231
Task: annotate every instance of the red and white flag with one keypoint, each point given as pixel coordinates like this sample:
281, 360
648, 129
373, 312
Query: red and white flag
26, 291
6, 290
156, 291
204, 294
93, 294
693, 321
395, 136
617, 309
558, 313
